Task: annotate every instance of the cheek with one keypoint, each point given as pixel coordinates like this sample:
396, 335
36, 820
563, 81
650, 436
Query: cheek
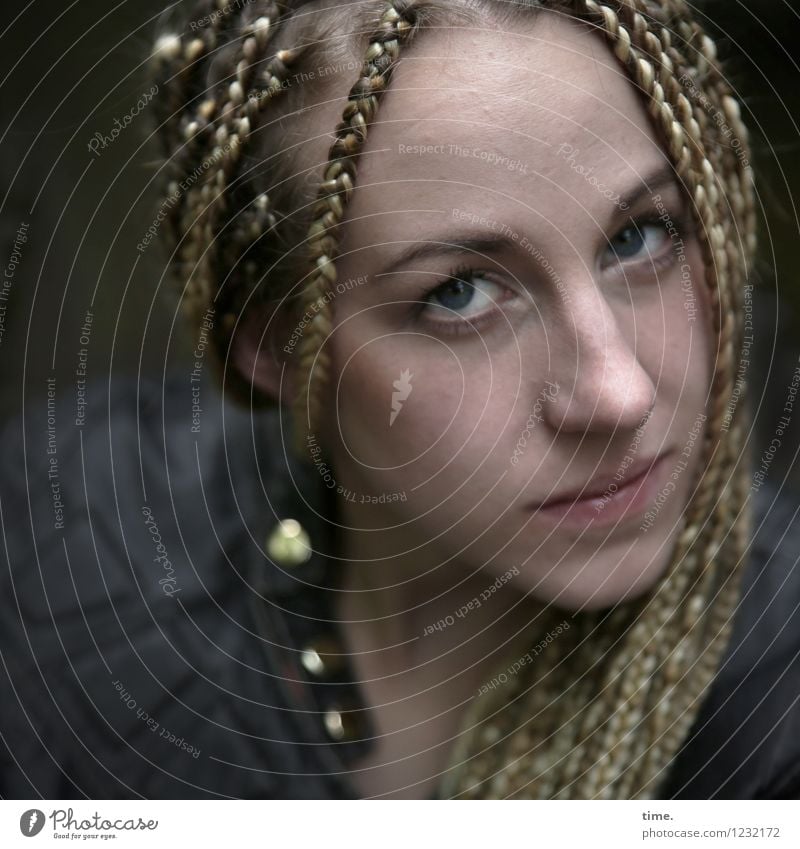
690, 333
674, 334
416, 406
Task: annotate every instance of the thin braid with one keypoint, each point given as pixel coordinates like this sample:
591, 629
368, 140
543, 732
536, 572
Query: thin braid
229, 121
178, 62
723, 601
396, 27
212, 126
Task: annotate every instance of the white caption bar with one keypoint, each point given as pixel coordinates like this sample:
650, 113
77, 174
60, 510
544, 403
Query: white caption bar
349, 825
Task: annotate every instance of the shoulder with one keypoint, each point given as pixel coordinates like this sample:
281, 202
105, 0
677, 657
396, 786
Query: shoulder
134, 667
745, 742
73, 492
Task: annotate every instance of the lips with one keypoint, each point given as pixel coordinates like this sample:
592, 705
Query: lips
604, 499
599, 486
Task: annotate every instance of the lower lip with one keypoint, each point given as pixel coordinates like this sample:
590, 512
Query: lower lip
629, 501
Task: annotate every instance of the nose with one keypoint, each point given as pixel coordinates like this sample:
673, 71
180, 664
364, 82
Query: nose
602, 385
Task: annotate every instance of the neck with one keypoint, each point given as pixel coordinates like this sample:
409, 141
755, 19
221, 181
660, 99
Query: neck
419, 651
402, 607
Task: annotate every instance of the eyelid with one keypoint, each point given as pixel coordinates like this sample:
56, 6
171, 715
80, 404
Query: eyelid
649, 219
465, 324
463, 273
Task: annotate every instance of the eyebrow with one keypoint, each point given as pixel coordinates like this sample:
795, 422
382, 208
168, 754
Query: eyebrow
477, 241
662, 176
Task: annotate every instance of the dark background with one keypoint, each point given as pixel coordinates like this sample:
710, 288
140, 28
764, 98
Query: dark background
70, 70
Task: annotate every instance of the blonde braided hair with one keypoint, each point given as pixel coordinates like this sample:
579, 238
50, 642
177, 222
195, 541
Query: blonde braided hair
396, 26
212, 125
603, 712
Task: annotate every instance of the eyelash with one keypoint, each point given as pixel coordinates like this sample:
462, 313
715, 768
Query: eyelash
465, 273
681, 224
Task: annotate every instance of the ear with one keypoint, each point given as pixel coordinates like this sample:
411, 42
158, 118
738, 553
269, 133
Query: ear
257, 353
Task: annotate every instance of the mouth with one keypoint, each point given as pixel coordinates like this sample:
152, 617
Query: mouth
609, 498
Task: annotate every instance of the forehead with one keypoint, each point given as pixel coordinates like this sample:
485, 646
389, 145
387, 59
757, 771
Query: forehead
497, 112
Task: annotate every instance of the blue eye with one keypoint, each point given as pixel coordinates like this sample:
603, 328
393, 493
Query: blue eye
465, 299
466, 292
454, 295
645, 239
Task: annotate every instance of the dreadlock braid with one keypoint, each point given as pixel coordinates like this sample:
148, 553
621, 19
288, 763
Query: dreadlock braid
604, 710
396, 26
211, 125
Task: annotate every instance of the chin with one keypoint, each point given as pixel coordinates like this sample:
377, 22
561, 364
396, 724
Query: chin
599, 585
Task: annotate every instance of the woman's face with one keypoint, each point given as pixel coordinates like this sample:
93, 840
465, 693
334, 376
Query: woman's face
517, 322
